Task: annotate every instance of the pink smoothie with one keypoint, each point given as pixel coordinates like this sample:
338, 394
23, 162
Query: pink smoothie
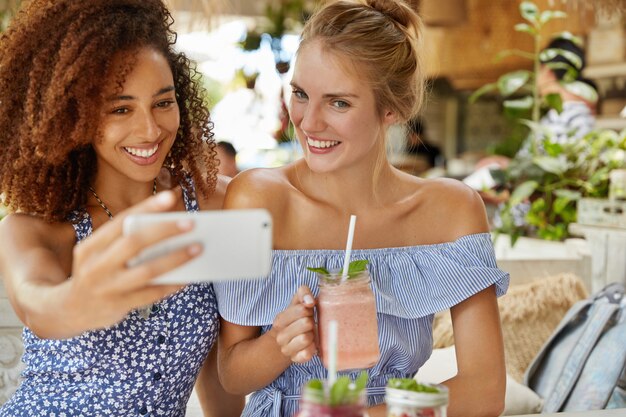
353, 306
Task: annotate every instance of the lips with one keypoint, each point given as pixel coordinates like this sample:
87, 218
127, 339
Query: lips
143, 155
142, 152
322, 144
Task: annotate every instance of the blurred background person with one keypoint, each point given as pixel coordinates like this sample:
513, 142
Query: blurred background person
227, 155
576, 118
418, 143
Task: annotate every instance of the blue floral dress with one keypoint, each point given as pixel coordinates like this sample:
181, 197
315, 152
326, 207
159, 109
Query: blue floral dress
138, 367
410, 284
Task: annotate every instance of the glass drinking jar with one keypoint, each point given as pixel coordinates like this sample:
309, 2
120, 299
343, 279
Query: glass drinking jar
313, 404
351, 303
405, 403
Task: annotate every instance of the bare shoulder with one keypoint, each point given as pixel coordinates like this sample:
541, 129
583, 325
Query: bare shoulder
215, 201
257, 188
26, 232
458, 208
24, 227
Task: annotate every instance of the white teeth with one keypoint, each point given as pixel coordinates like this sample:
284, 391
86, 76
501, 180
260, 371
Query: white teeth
321, 143
142, 152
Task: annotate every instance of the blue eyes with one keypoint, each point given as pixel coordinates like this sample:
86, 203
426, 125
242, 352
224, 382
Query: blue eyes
338, 104
299, 94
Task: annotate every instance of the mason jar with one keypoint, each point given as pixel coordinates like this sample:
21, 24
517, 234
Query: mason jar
314, 404
351, 303
405, 403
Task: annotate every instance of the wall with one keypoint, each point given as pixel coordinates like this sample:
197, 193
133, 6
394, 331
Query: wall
465, 54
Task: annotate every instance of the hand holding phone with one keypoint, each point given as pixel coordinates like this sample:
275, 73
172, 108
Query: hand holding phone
237, 244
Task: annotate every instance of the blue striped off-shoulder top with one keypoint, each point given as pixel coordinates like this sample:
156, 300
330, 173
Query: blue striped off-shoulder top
410, 285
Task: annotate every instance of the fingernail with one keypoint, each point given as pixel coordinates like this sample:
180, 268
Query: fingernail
165, 198
194, 249
308, 299
185, 224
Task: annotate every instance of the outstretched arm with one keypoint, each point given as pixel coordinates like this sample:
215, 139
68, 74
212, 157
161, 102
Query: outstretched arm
37, 268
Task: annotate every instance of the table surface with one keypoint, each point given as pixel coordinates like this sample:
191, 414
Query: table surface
596, 413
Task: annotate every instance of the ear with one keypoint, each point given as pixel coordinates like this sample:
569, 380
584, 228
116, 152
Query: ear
389, 118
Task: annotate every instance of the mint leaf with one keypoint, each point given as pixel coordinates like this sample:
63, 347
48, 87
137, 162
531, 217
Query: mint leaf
356, 267
318, 270
315, 384
356, 388
342, 392
339, 390
361, 382
410, 384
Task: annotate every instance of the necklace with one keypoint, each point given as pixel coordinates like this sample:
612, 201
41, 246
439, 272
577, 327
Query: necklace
145, 311
105, 208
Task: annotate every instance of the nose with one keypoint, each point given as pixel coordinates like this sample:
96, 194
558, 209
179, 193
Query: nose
312, 119
147, 127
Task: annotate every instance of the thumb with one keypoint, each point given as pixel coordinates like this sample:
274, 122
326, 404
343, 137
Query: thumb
305, 296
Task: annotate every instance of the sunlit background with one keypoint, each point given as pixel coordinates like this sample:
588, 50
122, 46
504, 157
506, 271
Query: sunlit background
244, 50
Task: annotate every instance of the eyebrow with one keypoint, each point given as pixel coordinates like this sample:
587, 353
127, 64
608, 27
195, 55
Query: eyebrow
328, 95
158, 93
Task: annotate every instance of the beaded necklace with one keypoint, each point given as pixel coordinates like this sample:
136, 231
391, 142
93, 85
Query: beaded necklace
145, 311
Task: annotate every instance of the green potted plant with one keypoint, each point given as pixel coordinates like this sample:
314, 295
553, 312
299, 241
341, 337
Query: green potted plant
548, 180
553, 183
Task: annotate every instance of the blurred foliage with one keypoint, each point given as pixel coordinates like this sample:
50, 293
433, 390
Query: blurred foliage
516, 133
547, 181
551, 184
280, 17
520, 88
8, 8
214, 90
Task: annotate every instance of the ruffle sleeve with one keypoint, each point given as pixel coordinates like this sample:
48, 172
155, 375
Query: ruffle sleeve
408, 282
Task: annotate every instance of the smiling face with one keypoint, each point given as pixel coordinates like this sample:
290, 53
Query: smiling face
139, 123
334, 112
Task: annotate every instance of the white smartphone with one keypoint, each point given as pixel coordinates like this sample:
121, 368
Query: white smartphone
237, 244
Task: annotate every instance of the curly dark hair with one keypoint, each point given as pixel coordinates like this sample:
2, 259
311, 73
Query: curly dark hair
54, 60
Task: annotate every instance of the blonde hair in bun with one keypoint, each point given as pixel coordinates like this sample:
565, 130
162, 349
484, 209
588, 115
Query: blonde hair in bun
381, 38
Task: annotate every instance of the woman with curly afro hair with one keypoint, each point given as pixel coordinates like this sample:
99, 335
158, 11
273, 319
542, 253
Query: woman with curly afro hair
98, 113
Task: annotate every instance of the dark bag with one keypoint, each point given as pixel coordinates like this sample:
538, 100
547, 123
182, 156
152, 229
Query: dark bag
582, 366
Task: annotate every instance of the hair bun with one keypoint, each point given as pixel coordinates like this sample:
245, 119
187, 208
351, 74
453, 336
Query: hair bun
397, 10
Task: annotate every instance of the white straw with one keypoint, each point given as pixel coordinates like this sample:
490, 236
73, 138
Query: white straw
331, 350
346, 261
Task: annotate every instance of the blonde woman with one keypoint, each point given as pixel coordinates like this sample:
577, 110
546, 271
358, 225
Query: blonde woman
357, 73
